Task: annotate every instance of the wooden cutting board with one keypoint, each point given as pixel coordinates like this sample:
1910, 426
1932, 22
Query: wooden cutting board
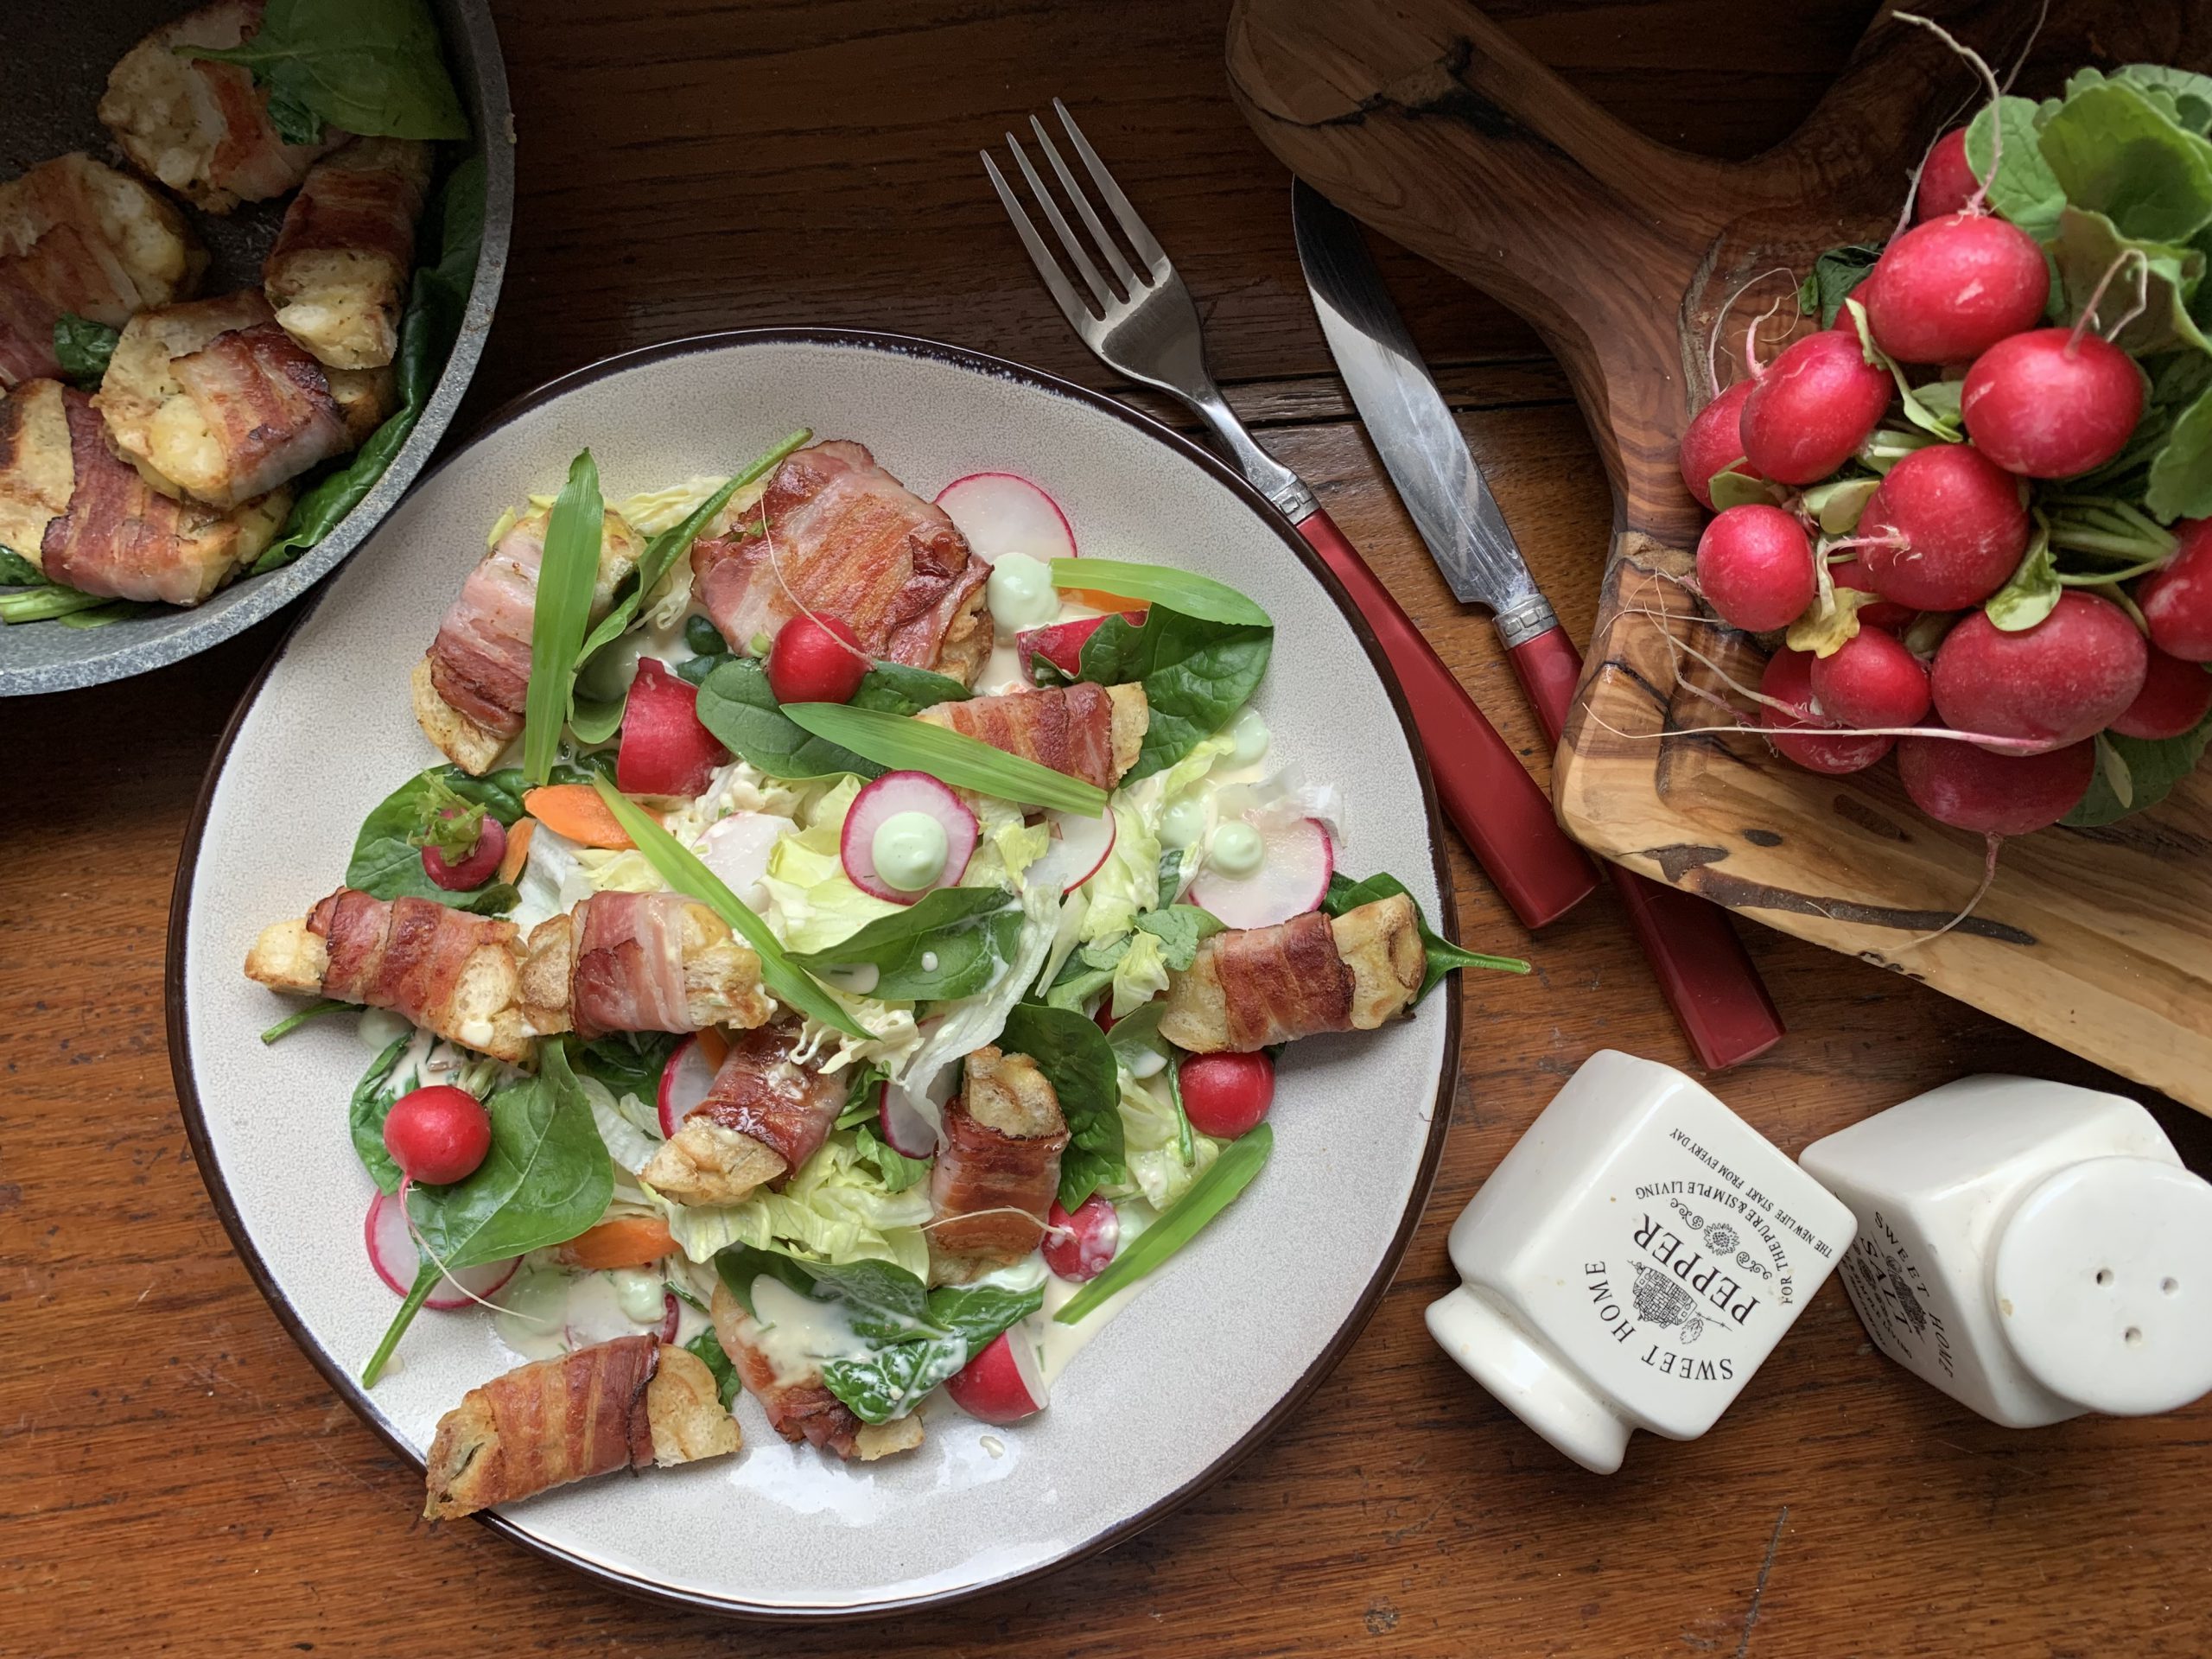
1423, 118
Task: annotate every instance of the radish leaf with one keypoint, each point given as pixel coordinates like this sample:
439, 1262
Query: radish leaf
2032, 592
2024, 189
2113, 152
1834, 274
2152, 766
2180, 484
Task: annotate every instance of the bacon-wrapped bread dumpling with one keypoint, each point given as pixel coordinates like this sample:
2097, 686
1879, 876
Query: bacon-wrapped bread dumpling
844, 538
81, 514
211, 400
997, 1169
77, 236
1090, 732
338, 273
764, 1115
1248, 988
623, 1404
800, 1407
456, 974
640, 962
470, 688
202, 127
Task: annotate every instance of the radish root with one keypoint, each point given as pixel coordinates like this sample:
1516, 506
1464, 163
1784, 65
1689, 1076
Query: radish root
1714, 336
1977, 202
776, 569
1988, 876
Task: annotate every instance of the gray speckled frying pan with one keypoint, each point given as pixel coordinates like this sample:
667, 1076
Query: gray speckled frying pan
51, 76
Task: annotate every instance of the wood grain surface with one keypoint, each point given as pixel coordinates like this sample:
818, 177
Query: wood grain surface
180, 1481
1430, 121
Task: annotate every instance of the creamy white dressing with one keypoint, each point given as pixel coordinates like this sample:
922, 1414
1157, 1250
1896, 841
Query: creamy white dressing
1236, 848
1056, 1344
545, 1310
909, 850
797, 1334
1021, 595
1249, 736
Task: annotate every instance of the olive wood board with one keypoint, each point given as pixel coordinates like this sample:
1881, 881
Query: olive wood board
1426, 121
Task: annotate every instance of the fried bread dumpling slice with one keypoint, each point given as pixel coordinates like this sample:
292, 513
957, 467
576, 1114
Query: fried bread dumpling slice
201, 127
1250, 988
640, 961
339, 271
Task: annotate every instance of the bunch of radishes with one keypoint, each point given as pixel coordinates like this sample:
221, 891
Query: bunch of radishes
1949, 500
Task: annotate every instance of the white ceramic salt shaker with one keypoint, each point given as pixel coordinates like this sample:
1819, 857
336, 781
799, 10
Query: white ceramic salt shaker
2033, 1250
1632, 1261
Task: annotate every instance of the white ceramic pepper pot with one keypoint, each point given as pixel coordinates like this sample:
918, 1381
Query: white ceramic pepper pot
2033, 1250
1632, 1261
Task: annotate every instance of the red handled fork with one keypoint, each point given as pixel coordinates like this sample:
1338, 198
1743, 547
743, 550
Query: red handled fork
1142, 324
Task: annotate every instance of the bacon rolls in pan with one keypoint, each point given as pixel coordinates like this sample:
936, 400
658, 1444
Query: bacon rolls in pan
1248, 988
800, 1407
1090, 732
764, 1115
844, 538
622, 1404
338, 273
998, 1167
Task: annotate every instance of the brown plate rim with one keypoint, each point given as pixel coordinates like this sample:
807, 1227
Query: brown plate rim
1363, 1310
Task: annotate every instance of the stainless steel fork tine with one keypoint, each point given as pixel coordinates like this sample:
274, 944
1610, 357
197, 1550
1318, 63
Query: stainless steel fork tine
1081, 198
1070, 302
1133, 225
1106, 298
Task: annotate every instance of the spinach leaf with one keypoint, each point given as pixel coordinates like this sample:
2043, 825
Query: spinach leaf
1171, 875
898, 689
1089, 970
436, 305
2024, 190
387, 861
83, 348
736, 705
1179, 929
368, 65
2153, 767
628, 1062
1834, 274
708, 1347
372, 1103
546, 1178
1077, 1060
1137, 1033
899, 1171
17, 572
1196, 673
949, 944
291, 1022
1345, 894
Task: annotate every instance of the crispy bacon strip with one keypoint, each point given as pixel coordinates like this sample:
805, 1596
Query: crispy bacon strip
1067, 728
338, 275
479, 662
759, 1091
628, 972
267, 403
849, 541
1247, 988
26, 320
800, 1407
998, 1166
407, 955
1283, 981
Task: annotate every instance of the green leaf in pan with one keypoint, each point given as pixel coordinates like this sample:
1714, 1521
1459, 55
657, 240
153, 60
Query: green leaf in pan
1207, 1197
1160, 584
44, 604
566, 576
900, 741
366, 65
83, 348
680, 868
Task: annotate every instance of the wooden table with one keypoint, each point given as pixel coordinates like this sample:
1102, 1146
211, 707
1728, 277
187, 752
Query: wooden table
180, 1480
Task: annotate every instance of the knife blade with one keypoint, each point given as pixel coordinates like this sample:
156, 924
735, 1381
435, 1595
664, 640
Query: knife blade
1701, 965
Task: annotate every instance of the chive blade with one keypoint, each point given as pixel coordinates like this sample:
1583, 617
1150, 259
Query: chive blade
567, 572
680, 868
292, 1022
1224, 1178
901, 742
1181, 590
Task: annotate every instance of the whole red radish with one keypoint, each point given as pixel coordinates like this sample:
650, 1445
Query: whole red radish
1949, 289
1870, 680
1224, 1094
1947, 180
2177, 599
1813, 407
1003, 1384
1714, 442
1061, 643
1788, 681
1755, 567
2175, 697
1947, 528
1971, 788
437, 1135
816, 659
2064, 679
1883, 614
473, 868
665, 751
2051, 403
1078, 1247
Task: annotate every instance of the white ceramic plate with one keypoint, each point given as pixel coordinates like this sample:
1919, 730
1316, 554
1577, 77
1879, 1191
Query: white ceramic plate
1220, 1345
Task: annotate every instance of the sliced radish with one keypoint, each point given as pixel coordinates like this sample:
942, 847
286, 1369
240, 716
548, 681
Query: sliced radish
1001, 513
884, 799
684, 1084
672, 1316
904, 1131
395, 1255
1078, 1247
1294, 875
665, 751
1061, 644
1078, 849
1003, 1384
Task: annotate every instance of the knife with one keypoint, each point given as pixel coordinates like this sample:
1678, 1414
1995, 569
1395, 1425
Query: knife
1701, 966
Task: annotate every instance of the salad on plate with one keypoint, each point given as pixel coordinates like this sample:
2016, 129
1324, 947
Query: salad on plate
845, 946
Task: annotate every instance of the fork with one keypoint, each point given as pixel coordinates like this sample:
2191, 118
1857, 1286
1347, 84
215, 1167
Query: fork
1143, 324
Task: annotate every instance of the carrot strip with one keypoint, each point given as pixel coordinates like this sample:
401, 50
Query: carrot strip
1103, 601
517, 853
574, 811
622, 1241
713, 1047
